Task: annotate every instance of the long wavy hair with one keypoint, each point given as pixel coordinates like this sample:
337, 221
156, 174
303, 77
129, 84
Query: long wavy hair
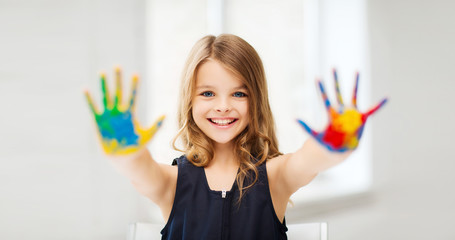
257, 142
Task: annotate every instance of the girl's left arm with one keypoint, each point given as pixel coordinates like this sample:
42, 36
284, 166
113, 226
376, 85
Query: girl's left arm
330, 147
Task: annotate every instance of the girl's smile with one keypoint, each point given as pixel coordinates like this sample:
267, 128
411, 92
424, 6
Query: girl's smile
222, 122
220, 103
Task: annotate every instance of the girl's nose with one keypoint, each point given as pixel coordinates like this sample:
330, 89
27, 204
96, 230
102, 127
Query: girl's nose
223, 109
223, 106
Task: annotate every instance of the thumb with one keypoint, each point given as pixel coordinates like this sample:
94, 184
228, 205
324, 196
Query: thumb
150, 132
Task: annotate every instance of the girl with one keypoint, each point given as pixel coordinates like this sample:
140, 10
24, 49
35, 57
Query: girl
232, 182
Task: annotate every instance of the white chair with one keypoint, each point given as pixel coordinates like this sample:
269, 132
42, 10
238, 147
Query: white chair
308, 231
304, 231
144, 231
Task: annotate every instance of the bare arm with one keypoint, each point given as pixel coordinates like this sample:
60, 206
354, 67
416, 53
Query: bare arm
328, 148
124, 141
153, 180
301, 167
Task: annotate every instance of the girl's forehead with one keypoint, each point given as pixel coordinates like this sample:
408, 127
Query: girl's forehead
212, 73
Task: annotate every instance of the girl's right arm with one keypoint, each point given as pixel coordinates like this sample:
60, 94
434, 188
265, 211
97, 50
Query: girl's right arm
153, 180
124, 142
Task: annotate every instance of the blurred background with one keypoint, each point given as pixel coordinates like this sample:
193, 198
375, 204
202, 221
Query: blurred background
56, 184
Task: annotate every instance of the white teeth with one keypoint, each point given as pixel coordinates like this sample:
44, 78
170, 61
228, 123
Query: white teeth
222, 121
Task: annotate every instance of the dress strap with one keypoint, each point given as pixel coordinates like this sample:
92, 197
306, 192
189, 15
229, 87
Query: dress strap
180, 160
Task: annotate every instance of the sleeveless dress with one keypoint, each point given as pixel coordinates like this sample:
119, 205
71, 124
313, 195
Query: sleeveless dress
201, 213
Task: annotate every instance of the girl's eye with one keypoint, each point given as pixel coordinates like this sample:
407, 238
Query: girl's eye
207, 94
239, 94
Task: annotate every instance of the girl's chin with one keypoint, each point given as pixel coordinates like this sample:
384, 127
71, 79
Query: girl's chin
223, 142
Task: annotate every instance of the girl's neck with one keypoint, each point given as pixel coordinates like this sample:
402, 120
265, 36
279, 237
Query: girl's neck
224, 156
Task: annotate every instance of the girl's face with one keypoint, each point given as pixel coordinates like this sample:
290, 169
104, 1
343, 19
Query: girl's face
220, 103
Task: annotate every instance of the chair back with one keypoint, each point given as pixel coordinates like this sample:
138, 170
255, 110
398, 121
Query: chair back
308, 231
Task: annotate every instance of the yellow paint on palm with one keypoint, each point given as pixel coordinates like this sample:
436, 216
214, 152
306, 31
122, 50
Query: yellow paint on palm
348, 122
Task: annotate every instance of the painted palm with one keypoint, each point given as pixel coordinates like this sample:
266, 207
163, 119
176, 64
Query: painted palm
118, 129
346, 125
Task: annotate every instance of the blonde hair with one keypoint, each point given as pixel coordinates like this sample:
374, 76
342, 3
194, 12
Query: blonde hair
257, 142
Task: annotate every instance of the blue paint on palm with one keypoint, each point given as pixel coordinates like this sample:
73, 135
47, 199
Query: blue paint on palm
115, 125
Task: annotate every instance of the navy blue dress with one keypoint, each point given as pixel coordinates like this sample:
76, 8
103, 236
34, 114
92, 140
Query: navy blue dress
200, 213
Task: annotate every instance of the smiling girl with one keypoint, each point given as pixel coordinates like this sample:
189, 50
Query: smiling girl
232, 182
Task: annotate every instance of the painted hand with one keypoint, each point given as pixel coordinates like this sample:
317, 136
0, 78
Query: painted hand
345, 125
118, 129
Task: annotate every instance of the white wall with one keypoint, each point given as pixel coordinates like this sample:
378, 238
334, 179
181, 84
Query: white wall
54, 183
412, 55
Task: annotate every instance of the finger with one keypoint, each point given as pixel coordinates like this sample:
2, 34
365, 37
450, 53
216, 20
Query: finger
150, 132
360, 132
133, 92
155, 126
324, 96
337, 90
118, 90
308, 129
90, 103
354, 94
106, 96
375, 108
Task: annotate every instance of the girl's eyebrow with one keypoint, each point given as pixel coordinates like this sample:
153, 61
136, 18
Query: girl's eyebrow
243, 87
204, 86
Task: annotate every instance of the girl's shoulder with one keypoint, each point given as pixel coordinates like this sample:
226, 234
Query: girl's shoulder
278, 160
184, 164
274, 165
